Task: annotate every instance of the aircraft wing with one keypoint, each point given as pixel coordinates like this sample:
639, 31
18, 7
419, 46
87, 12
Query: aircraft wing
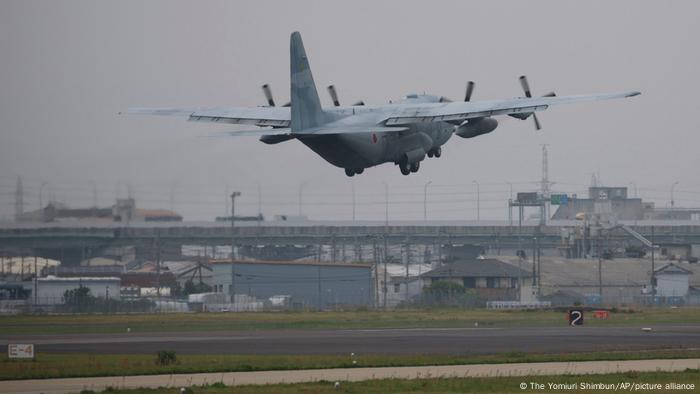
468, 110
258, 116
253, 133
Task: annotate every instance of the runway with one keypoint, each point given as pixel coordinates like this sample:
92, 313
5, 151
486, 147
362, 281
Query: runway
526, 370
472, 340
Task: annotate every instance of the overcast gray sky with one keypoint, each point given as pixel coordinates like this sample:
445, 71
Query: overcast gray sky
68, 68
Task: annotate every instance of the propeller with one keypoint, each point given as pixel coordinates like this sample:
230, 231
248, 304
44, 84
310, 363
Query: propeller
334, 95
470, 90
526, 88
268, 95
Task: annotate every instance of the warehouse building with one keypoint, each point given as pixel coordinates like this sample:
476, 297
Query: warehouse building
51, 289
306, 284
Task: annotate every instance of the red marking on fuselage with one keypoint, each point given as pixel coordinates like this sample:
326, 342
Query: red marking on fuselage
374, 138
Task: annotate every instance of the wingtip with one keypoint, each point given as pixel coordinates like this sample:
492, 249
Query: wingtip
635, 93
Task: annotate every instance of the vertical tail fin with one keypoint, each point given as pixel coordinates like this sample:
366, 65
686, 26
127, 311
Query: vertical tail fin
306, 106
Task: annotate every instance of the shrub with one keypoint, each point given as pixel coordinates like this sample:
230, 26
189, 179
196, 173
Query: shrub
166, 357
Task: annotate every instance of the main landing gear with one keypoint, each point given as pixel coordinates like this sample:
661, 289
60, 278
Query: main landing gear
407, 168
437, 152
353, 171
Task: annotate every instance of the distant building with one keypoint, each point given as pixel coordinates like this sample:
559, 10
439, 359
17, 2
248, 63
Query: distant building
51, 289
614, 201
604, 200
400, 285
308, 284
124, 210
672, 281
491, 279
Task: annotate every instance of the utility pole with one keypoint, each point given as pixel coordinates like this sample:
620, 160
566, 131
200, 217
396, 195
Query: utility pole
673, 186
157, 242
36, 282
510, 204
478, 198
233, 248
19, 200
301, 188
94, 194
386, 257
425, 200
226, 201
653, 272
318, 267
386, 206
260, 216
600, 268
544, 184
534, 263
352, 186
375, 260
41, 194
408, 261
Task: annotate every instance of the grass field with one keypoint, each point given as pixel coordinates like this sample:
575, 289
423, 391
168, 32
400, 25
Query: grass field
83, 365
59, 324
460, 385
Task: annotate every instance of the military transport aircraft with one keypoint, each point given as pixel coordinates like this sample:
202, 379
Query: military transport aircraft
360, 136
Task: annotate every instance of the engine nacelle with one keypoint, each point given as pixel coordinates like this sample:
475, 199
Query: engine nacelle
476, 127
414, 156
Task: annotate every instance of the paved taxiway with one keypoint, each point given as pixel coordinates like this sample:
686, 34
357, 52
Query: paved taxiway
73, 385
379, 341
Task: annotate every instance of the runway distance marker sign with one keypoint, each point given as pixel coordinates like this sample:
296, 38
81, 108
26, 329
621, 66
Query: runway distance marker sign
575, 317
20, 350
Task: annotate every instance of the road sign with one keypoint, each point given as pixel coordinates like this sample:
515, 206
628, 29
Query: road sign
559, 199
528, 197
20, 350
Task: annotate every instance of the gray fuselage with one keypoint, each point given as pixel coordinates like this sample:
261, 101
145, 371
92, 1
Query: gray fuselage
363, 150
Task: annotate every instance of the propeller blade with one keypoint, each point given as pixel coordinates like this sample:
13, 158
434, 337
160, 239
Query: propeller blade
334, 95
537, 122
470, 90
525, 85
268, 95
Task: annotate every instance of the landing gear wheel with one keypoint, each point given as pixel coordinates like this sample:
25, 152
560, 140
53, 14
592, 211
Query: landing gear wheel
359, 171
437, 152
405, 169
430, 153
415, 166
349, 172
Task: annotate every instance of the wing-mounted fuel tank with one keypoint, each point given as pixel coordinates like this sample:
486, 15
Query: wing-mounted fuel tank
275, 139
476, 127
